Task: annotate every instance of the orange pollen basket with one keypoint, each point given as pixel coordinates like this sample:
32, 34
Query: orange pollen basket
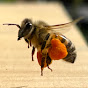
57, 51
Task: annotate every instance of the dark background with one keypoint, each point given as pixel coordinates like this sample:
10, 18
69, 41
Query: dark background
76, 8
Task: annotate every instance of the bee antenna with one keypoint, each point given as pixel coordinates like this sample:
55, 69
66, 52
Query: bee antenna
13, 24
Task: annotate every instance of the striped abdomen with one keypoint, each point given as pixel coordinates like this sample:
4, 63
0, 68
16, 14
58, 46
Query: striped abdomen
70, 49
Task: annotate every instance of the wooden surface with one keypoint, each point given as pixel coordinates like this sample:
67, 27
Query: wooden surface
16, 67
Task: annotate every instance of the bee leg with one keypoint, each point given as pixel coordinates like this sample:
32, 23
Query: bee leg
42, 65
44, 43
41, 71
30, 43
49, 68
48, 61
33, 51
27, 42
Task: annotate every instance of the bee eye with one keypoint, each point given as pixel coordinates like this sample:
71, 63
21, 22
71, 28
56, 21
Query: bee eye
28, 26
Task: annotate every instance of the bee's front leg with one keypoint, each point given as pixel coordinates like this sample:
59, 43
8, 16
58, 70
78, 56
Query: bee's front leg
27, 42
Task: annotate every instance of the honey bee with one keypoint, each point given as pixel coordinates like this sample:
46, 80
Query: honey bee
50, 43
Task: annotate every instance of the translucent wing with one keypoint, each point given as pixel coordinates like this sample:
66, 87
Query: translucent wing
63, 27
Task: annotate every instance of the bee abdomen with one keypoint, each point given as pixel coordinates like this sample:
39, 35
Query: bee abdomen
70, 57
70, 48
71, 53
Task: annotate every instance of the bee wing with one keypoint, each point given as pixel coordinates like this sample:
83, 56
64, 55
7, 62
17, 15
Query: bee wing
63, 27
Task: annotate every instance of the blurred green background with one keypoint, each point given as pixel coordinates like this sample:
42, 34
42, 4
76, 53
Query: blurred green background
76, 8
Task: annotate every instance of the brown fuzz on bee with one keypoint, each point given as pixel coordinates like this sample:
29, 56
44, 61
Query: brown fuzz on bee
49, 42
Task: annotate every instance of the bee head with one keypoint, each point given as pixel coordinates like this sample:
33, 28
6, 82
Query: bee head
25, 28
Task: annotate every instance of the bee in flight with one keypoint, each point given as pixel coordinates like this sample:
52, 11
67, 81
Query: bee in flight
50, 43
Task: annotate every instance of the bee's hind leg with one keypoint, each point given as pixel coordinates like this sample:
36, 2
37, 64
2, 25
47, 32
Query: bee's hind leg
41, 71
45, 62
42, 65
49, 68
33, 51
48, 61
